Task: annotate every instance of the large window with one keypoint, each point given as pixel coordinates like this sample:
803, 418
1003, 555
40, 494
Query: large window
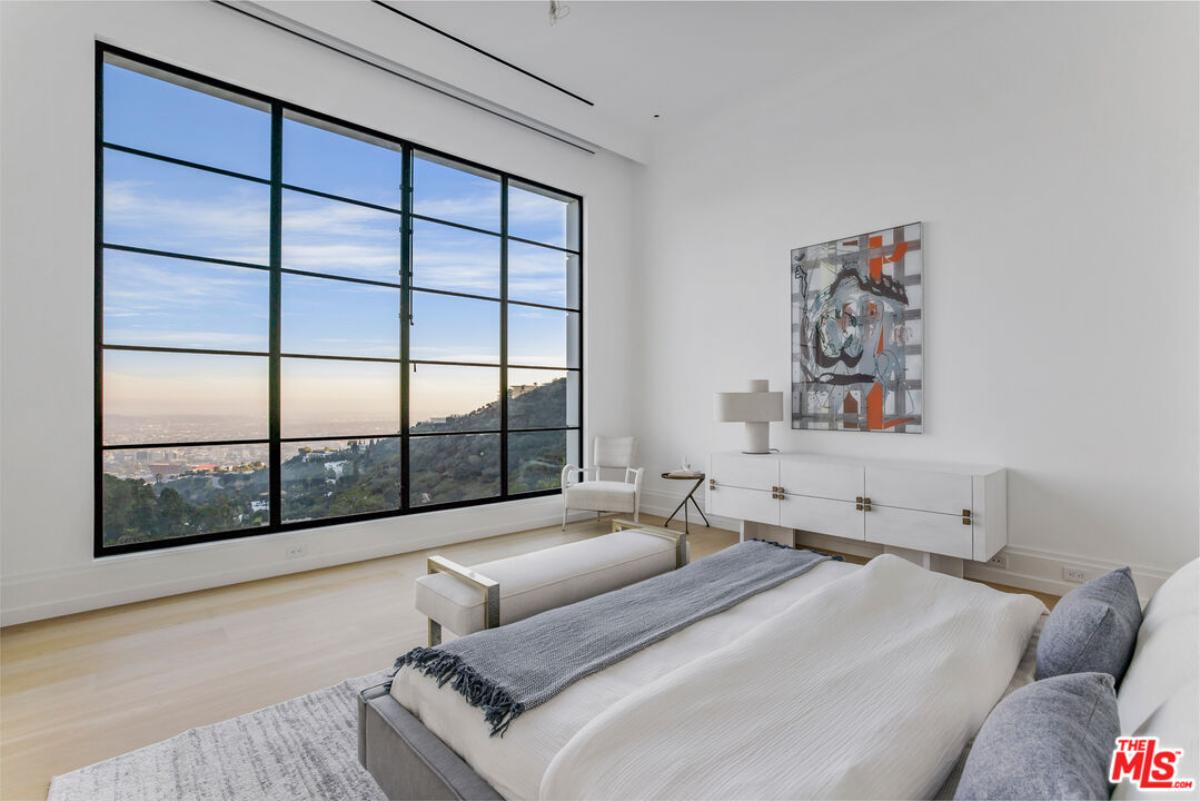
301, 322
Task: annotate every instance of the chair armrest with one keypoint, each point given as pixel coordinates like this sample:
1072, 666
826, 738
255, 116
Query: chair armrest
488, 587
570, 470
677, 537
636, 474
568, 475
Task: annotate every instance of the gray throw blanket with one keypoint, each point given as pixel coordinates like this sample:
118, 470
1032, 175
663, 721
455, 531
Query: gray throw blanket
508, 670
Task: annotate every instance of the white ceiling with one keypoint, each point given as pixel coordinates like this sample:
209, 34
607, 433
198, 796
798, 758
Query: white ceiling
682, 60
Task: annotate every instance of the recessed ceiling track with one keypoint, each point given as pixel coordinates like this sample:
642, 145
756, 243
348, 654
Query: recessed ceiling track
481, 51
363, 56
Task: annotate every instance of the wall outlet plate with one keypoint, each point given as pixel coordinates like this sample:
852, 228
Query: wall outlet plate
295, 551
1000, 560
1075, 575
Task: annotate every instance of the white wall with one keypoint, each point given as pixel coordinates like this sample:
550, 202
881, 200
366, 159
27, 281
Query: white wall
46, 287
1051, 151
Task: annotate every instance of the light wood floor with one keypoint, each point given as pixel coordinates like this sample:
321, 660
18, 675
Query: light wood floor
78, 689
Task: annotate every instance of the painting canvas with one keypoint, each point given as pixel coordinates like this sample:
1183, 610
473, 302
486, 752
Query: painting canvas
857, 348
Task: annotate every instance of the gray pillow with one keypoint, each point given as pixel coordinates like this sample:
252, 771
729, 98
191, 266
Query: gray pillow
1093, 628
1048, 740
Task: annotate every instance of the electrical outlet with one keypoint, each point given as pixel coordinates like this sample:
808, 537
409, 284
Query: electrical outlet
295, 551
1075, 575
1000, 560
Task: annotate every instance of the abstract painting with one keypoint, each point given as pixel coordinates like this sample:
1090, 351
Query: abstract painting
857, 349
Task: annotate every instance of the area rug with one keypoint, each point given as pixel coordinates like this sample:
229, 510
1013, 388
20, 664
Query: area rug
305, 748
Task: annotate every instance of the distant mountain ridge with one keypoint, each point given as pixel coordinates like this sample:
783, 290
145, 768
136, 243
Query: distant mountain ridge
362, 477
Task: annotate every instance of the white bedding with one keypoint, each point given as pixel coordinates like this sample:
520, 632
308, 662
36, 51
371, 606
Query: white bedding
514, 764
869, 688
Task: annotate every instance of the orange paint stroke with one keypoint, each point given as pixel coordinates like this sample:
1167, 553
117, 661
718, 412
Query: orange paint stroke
875, 407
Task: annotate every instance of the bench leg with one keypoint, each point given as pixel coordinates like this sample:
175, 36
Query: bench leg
435, 633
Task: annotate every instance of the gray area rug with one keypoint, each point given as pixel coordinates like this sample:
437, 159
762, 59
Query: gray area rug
305, 748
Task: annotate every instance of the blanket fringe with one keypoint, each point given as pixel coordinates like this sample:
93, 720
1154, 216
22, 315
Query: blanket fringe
834, 557
499, 708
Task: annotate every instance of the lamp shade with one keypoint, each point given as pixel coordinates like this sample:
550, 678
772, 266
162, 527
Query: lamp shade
759, 405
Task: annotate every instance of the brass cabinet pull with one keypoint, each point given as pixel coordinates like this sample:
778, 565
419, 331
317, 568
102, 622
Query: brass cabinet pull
966, 517
712, 483
858, 499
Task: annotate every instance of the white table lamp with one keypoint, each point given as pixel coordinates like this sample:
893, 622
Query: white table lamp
757, 408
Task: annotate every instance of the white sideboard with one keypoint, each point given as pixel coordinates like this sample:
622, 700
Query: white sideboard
912, 508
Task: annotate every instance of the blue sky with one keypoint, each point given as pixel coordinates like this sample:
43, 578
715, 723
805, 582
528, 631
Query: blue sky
159, 301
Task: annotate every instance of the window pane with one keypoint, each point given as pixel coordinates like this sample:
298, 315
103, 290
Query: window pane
455, 260
449, 191
445, 398
543, 398
543, 337
536, 459
150, 300
328, 236
452, 329
153, 204
542, 275
338, 318
336, 478
324, 398
543, 216
183, 397
167, 493
459, 467
186, 120
341, 163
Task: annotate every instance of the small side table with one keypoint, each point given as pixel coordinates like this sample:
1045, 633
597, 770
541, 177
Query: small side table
699, 479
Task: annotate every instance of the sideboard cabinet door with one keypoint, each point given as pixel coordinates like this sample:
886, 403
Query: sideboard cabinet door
745, 470
740, 503
932, 532
821, 516
821, 479
947, 493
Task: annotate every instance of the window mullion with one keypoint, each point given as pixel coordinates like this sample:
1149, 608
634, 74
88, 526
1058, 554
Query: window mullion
406, 234
504, 336
275, 449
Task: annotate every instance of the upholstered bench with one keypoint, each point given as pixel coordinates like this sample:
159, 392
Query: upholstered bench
469, 599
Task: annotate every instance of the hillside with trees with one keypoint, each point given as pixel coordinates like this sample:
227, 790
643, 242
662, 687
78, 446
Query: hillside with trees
335, 479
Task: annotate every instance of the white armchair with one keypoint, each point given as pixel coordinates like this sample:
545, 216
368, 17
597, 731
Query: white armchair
595, 493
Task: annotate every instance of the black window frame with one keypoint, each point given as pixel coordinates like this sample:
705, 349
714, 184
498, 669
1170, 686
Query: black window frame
277, 110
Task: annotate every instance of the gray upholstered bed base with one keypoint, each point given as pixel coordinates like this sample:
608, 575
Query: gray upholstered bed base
408, 761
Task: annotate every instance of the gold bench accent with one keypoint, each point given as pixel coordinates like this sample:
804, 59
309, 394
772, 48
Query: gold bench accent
678, 537
489, 588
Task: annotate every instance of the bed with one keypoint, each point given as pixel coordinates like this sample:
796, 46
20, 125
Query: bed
843, 682
422, 741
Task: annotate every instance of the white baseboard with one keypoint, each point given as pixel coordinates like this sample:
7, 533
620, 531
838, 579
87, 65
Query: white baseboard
1025, 568
116, 580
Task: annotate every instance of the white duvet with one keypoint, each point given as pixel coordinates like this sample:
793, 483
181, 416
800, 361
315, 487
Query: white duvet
515, 763
867, 688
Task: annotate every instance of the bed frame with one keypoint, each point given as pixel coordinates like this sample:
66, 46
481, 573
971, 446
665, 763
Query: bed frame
409, 761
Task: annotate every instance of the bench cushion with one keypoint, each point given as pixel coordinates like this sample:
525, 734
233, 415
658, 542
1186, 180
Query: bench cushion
541, 580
